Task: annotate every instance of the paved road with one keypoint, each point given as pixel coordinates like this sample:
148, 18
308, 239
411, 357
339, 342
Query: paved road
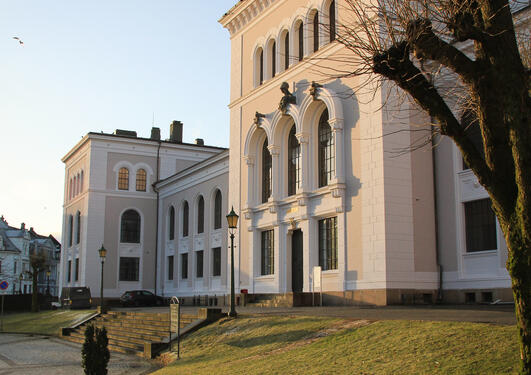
22, 354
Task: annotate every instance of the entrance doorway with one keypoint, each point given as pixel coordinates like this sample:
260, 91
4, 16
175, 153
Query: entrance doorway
296, 261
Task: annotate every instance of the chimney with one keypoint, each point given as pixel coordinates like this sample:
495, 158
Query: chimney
176, 132
22, 226
199, 142
155, 134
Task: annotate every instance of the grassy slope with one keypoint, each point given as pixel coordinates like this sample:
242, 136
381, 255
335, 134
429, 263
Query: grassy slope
288, 345
43, 322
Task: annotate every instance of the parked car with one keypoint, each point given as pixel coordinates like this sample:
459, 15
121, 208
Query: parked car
140, 298
76, 297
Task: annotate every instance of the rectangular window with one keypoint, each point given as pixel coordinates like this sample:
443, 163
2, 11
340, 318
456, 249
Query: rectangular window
216, 260
184, 266
69, 271
129, 267
328, 243
15, 267
199, 264
76, 272
480, 226
268, 256
170, 267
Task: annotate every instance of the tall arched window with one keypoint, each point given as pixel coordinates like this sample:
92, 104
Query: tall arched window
266, 172
185, 219
315, 24
294, 162
70, 189
260, 66
286, 51
141, 180
332, 18
171, 231
75, 187
273, 59
326, 150
200, 215
217, 210
78, 227
123, 179
70, 230
77, 184
81, 182
300, 38
130, 227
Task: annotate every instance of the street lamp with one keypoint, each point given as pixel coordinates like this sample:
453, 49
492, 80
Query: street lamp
103, 254
48, 276
232, 220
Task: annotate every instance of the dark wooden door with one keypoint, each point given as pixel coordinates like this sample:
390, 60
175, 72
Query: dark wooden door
296, 261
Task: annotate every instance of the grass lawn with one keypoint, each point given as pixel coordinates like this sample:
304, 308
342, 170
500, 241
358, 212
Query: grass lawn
43, 322
319, 345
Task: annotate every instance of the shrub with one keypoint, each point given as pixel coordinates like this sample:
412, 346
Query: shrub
95, 353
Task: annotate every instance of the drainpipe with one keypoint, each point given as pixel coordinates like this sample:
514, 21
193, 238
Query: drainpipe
437, 249
157, 213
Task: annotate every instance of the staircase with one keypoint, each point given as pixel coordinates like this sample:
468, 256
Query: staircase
140, 333
279, 300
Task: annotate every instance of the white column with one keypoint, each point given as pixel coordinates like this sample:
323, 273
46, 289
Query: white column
252, 255
304, 225
277, 251
337, 129
249, 160
275, 172
303, 139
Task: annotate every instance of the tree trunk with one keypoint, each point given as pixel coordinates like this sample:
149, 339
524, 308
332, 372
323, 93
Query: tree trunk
519, 267
34, 295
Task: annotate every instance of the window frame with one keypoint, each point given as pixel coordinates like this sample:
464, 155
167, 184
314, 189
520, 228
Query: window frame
326, 150
216, 261
294, 162
218, 208
127, 233
315, 32
129, 269
267, 252
123, 179
186, 215
480, 226
171, 224
199, 264
327, 246
78, 228
141, 180
267, 172
184, 266
200, 215
170, 267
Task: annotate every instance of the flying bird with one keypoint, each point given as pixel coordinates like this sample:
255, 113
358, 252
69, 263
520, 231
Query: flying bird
19, 40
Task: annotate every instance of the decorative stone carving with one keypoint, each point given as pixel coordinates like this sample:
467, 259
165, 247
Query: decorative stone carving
258, 118
287, 99
314, 89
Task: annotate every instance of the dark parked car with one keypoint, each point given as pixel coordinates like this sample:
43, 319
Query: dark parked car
76, 297
140, 298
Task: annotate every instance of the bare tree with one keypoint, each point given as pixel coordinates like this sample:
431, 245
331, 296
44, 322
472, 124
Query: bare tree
424, 45
38, 263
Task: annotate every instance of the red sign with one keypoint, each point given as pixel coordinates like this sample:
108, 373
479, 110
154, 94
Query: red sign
4, 285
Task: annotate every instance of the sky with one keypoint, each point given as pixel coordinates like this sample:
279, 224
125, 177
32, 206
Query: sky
99, 66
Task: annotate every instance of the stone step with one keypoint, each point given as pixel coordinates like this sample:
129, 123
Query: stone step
139, 315
120, 341
149, 330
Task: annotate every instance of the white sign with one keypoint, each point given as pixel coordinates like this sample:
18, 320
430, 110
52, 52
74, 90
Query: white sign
317, 278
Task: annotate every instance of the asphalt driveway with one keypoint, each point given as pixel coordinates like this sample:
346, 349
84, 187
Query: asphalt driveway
22, 354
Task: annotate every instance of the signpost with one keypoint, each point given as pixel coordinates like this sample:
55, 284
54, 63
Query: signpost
175, 323
3, 288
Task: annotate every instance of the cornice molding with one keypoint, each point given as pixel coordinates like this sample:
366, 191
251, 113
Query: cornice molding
243, 13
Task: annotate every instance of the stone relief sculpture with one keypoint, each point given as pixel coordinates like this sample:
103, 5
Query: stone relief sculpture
287, 99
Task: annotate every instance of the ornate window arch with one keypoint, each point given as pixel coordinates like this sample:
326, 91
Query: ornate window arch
200, 215
186, 213
267, 171
171, 224
294, 162
326, 150
217, 209
123, 179
130, 227
141, 178
259, 67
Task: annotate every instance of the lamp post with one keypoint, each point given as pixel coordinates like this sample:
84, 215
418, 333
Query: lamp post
103, 253
48, 277
232, 220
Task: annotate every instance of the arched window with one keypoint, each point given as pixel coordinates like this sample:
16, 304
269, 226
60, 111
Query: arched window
300, 34
332, 18
315, 24
141, 180
200, 215
326, 151
78, 188
286, 51
294, 162
130, 227
273, 59
78, 228
266, 172
259, 67
81, 182
185, 219
217, 210
70, 230
172, 224
123, 179
70, 193
75, 187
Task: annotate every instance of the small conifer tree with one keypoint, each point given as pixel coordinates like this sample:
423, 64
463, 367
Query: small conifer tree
95, 353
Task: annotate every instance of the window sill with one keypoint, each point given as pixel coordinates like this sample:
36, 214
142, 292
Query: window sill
473, 254
265, 277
